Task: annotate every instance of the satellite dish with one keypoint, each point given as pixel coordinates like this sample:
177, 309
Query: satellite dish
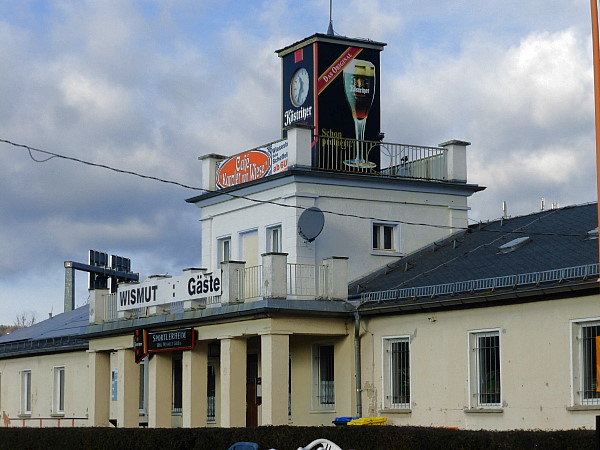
310, 223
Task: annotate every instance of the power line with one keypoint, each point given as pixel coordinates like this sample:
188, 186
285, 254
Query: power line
52, 155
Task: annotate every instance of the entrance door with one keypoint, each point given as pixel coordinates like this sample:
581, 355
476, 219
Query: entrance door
252, 400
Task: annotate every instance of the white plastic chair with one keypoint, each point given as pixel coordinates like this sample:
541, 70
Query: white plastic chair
323, 444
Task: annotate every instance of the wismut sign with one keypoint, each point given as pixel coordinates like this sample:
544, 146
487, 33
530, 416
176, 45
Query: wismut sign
253, 164
195, 284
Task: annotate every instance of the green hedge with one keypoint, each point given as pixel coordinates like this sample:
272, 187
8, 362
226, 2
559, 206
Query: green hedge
284, 438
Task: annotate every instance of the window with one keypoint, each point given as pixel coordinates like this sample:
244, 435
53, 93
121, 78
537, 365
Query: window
177, 383
143, 400
323, 369
485, 369
26, 392
397, 373
274, 239
586, 368
224, 247
211, 391
58, 400
385, 237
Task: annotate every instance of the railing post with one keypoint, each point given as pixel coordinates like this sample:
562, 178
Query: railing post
274, 282
231, 284
98, 298
456, 160
209, 170
299, 144
336, 284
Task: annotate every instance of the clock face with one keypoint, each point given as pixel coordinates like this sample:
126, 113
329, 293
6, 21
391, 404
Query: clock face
299, 86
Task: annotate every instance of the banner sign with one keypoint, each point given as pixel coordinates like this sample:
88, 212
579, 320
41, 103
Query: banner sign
146, 342
253, 164
195, 284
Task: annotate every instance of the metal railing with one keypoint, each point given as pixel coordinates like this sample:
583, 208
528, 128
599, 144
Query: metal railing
306, 280
483, 284
41, 345
397, 160
250, 282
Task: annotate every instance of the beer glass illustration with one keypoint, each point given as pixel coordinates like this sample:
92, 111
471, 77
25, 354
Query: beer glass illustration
359, 86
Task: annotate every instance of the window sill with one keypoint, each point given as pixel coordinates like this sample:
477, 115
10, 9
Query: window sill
24, 415
57, 414
583, 408
377, 252
484, 410
396, 411
321, 411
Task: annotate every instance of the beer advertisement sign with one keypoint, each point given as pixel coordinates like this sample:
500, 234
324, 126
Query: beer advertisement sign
344, 79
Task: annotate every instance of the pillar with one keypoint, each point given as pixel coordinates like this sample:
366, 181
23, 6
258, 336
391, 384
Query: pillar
160, 390
275, 354
456, 160
299, 139
209, 170
274, 275
231, 281
128, 389
336, 279
233, 382
99, 388
195, 379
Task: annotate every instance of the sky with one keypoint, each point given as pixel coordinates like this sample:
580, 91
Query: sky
148, 86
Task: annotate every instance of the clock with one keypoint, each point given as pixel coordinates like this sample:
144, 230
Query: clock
299, 86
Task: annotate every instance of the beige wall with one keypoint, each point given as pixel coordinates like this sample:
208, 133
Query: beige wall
536, 365
42, 389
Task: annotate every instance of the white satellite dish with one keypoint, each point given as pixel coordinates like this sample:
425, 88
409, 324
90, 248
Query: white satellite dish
310, 223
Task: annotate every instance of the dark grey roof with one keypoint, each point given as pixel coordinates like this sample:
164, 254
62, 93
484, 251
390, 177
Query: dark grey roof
559, 239
62, 331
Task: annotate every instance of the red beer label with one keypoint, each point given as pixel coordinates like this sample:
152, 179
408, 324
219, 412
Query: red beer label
336, 68
244, 167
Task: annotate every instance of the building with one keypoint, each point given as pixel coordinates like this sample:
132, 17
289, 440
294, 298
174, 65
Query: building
338, 277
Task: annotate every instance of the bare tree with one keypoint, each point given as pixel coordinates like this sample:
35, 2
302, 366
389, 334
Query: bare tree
25, 319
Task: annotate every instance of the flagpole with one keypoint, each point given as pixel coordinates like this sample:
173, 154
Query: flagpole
596, 58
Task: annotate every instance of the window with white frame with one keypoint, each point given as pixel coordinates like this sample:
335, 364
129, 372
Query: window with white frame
323, 375
143, 397
484, 361
586, 368
397, 372
274, 239
26, 392
385, 237
58, 399
224, 249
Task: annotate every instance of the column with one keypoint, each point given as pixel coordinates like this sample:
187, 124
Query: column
456, 160
275, 354
160, 390
99, 392
233, 382
128, 389
195, 379
274, 275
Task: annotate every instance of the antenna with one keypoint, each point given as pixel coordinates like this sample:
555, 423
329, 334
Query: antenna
504, 210
330, 28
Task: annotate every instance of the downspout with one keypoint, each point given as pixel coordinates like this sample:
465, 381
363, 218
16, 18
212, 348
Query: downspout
357, 363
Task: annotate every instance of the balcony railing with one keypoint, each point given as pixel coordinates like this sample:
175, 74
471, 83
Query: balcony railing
396, 160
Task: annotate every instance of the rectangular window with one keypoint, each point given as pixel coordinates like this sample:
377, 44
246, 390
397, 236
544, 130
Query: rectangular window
58, 401
485, 369
324, 376
26, 392
587, 367
224, 248
397, 373
274, 239
385, 237
211, 391
177, 383
143, 400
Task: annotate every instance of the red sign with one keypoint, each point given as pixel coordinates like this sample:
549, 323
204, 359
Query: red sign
247, 166
336, 68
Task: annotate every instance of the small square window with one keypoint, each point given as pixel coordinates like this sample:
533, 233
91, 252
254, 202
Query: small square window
385, 237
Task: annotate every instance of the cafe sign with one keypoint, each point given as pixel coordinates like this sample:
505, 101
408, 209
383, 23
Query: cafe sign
253, 164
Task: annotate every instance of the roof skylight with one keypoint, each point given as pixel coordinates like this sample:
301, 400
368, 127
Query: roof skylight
513, 245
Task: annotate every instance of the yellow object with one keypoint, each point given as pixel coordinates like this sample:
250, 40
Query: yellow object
369, 421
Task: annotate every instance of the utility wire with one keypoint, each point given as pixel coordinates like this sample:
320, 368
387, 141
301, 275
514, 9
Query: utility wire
52, 155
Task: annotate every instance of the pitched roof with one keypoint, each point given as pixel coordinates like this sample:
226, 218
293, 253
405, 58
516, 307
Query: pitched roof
558, 239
